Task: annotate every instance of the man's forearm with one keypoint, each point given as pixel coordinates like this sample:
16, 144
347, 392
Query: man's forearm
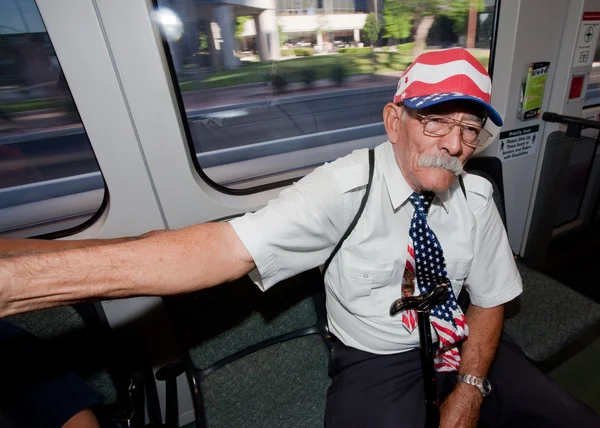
478, 351
166, 263
461, 408
19, 247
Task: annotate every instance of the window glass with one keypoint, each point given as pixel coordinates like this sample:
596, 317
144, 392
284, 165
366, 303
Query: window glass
269, 94
592, 94
49, 178
576, 180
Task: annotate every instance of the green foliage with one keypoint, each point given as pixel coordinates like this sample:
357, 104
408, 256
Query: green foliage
338, 74
458, 12
283, 37
308, 76
371, 29
400, 15
336, 68
366, 50
397, 26
239, 25
203, 42
279, 81
304, 52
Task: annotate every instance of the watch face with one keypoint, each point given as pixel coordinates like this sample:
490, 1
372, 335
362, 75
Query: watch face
487, 387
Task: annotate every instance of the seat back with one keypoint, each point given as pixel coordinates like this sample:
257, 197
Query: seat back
255, 359
548, 318
79, 340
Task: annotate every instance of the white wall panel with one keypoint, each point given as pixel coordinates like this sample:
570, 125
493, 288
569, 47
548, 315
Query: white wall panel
529, 31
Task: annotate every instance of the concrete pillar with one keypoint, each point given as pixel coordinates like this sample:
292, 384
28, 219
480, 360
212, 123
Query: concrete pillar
320, 40
269, 24
261, 40
223, 16
357, 35
267, 35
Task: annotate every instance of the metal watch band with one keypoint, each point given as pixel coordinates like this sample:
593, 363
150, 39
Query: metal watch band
482, 384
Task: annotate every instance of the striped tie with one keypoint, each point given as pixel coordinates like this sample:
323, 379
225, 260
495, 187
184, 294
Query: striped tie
409, 316
447, 318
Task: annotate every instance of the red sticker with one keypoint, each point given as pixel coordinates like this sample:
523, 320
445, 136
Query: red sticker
591, 16
576, 87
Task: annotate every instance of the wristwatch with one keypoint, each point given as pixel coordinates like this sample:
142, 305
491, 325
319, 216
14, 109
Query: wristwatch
481, 383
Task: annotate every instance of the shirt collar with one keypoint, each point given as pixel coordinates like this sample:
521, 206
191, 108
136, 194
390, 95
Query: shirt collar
398, 189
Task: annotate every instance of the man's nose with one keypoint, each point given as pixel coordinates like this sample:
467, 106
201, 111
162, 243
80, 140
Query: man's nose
452, 142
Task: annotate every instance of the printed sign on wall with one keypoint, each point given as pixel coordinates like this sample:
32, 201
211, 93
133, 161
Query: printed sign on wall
519, 142
587, 39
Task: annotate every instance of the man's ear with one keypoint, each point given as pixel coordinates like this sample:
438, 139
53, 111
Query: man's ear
391, 119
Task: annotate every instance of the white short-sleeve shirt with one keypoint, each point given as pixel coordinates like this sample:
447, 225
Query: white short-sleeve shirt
299, 229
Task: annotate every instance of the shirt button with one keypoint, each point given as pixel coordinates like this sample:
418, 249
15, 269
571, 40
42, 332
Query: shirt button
365, 275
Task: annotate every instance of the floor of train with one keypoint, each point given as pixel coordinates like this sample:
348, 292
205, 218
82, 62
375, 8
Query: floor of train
572, 261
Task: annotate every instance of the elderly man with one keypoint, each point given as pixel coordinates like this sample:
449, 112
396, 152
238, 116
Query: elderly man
419, 228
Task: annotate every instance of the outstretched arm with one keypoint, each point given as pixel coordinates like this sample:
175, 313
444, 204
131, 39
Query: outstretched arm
461, 407
169, 262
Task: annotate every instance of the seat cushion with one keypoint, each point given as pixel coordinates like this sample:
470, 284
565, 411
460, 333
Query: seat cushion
220, 321
551, 316
284, 385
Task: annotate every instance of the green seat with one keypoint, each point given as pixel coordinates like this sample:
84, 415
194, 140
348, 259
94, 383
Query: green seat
98, 355
253, 358
548, 317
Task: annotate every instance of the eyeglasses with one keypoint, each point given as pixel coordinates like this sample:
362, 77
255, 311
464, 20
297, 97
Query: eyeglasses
472, 134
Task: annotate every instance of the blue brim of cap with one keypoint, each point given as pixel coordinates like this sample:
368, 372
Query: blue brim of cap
418, 103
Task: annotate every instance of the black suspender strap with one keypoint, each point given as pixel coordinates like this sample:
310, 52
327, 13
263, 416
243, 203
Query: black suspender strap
462, 185
363, 203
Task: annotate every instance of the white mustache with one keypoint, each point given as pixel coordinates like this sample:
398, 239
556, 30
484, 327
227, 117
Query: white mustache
440, 161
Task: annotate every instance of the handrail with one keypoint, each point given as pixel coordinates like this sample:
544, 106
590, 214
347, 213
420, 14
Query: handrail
574, 124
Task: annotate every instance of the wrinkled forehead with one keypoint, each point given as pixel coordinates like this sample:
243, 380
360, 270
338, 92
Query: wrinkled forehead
472, 110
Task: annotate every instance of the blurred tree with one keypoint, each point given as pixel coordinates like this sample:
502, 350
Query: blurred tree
463, 14
240, 21
371, 29
419, 14
397, 20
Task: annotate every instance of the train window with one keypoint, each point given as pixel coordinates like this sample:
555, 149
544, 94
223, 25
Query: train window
592, 94
49, 178
269, 94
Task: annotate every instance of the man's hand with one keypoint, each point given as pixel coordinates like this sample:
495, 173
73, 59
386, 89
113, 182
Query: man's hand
461, 408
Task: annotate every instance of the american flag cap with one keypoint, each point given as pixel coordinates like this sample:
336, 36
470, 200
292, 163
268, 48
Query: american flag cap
446, 75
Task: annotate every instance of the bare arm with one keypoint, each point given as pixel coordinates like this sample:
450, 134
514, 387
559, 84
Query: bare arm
164, 263
461, 408
21, 247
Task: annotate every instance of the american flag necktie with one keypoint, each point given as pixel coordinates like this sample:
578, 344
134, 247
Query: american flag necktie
409, 316
447, 318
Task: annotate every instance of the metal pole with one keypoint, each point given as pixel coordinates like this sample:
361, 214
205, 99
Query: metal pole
432, 415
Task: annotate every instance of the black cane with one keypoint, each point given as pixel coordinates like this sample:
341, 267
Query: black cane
422, 304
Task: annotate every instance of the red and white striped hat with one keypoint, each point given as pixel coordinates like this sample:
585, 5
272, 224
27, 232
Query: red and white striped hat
446, 75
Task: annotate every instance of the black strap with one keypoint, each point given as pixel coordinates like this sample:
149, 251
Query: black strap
462, 185
363, 203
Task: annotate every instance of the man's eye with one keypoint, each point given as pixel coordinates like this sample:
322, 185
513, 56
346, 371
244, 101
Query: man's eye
438, 120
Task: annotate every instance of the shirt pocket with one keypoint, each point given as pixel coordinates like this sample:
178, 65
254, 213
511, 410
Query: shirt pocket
458, 271
364, 285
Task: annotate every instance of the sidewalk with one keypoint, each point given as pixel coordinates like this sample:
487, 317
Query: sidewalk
36, 121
